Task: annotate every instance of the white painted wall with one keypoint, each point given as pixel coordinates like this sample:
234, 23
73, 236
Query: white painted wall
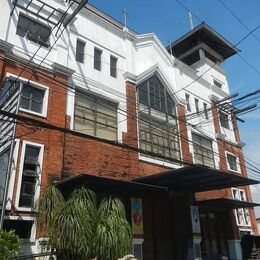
136, 54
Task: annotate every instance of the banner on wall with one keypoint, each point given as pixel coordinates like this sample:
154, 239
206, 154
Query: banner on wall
137, 216
195, 219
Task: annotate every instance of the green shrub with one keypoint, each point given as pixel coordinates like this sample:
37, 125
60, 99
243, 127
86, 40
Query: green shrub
9, 245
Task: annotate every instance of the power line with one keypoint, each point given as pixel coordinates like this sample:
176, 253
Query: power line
238, 19
146, 121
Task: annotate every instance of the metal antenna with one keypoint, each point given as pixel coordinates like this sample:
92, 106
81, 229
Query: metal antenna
191, 15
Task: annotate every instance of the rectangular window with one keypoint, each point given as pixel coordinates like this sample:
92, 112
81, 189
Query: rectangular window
95, 116
224, 121
217, 83
23, 228
97, 59
158, 136
206, 112
80, 51
187, 96
33, 30
30, 174
203, 152
242, 215
197, 106
232, 162
113, 66
32, 98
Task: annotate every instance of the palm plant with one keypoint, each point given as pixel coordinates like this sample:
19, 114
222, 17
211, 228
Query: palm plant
9, 245
79, 228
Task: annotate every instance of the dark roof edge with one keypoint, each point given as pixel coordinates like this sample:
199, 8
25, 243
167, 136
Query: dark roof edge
197, 28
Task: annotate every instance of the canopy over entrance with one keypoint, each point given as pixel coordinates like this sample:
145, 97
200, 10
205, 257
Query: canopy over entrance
106, 185
196, 178
225, 203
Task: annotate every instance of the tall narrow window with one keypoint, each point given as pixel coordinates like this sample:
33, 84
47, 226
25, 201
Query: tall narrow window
80, 51
232, 162
197, 106
206, 112
95, 116
203, 152
187, 96
97, 59
224, 121
30, 173
113, 66
158, 130
33, 30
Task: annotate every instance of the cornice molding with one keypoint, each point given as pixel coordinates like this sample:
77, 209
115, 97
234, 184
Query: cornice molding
58, 68
150, 39
6, 46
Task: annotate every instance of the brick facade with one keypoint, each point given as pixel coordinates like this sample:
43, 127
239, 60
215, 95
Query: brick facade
66, 154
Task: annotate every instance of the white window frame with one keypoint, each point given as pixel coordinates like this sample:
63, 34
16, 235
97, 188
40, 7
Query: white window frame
228, 120
35, 85
237, 163
20, 175
235, 210
116, 68
188, 105
25, 218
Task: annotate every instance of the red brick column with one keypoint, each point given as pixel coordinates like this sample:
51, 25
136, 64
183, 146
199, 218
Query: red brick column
130, 137
186, 154
235, 128
215, 117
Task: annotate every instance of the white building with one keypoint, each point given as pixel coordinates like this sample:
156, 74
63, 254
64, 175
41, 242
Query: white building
98, 57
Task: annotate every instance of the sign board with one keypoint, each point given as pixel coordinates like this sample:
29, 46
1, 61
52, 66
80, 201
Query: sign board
137, 216
195, 219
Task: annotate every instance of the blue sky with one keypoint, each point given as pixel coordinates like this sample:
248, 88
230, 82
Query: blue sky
167, 19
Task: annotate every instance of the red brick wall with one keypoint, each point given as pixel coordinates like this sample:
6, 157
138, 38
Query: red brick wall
187, 156
236, 150
52, 140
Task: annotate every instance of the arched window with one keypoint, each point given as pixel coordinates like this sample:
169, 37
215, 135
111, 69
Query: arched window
158, 130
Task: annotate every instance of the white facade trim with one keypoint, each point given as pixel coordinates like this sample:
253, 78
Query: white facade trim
36, 85
20, 175
25, 218
237, 162
235, 210
151, 39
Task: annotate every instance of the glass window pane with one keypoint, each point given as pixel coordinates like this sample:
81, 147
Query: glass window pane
33, 30
24, 103
80, 48
95, 116
97, 59
232, 162
113, 66
143, 93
